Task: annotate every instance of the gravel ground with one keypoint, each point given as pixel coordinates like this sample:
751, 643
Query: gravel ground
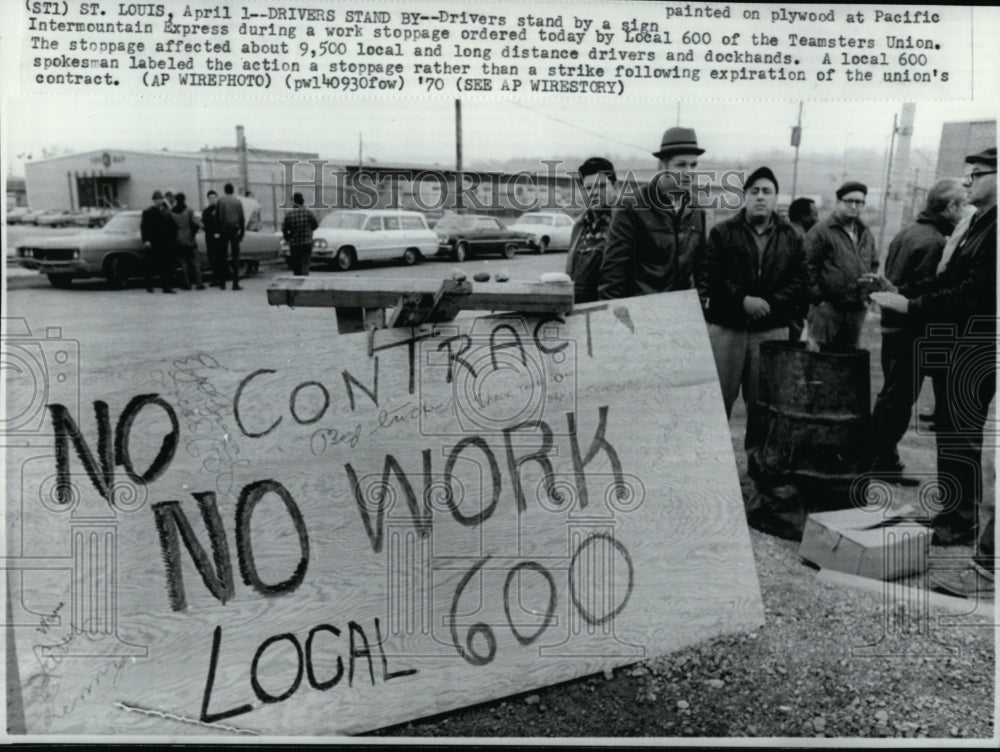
804, 674
830, 662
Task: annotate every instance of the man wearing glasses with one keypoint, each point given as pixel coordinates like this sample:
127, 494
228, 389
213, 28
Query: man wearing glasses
961, 301
840, 251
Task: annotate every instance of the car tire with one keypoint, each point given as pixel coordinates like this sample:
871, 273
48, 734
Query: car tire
509, 251
60, 281
344, 259
118, 271
543, 246
249, 267
461, 252
411, 256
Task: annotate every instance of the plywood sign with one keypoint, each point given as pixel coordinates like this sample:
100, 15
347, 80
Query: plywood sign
282, 539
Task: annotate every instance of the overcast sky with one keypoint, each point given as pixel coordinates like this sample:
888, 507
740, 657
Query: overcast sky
423, 132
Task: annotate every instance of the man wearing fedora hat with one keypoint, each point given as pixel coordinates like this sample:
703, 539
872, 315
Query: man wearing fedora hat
653, 242
961, 301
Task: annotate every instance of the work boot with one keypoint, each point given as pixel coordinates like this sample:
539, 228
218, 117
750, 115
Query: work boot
953, 529
973, 581
236, 286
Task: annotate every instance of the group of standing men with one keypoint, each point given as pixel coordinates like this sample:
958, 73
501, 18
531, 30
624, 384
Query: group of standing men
758, 276
169, 227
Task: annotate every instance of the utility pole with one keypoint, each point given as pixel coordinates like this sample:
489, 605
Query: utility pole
888, 173
458, 153
896, 183
241, 155
796, 139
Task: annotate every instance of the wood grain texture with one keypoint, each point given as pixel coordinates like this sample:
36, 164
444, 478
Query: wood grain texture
352, 292
493, 533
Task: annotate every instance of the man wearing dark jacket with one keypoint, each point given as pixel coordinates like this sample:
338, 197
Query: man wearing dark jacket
233, 222
652, 245
158, 231
586, 243
961, 304
912, 260
840, 251
752, 280
213, 240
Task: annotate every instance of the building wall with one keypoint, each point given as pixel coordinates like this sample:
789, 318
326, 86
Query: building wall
958, 140
52, 183
16, 192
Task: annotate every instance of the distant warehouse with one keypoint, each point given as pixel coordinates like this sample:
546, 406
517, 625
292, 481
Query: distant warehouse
125, 178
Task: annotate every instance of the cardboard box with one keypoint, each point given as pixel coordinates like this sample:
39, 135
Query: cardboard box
866, 542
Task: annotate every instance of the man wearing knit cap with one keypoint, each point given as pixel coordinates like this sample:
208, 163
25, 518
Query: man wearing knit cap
839, 251
586, 244
752, 279
653, 242
961, 302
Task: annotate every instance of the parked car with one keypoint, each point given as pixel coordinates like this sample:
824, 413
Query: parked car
117, 253
30, 216
549, 230
54, 218
16, 215
344, 238
92, 217
463, 236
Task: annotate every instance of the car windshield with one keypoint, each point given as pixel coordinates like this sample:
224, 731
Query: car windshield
455, 223
534, 219
123, 223
343, 221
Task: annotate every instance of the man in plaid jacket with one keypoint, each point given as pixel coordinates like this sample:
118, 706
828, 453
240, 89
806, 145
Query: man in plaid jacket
297, 229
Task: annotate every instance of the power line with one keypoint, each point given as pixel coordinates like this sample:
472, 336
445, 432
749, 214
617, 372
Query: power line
577, 127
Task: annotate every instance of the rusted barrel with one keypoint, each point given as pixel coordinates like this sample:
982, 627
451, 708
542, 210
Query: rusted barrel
813, 415
809, 436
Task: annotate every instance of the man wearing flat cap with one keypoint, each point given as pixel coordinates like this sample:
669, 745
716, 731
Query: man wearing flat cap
653, 242
961, 351
586, 243
752, 280
158, 232
839, 251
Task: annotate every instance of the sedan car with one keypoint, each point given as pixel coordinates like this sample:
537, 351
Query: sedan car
463, 236
92, 217
54, 218
16, 214
549, 230
117, 253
